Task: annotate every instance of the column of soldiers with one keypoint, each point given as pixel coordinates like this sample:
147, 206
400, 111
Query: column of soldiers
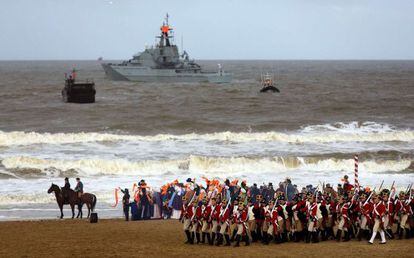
235, 214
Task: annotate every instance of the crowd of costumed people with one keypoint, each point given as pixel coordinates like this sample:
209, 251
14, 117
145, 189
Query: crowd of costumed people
227, 212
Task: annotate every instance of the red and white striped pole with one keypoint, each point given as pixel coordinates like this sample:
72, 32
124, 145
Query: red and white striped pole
356, 173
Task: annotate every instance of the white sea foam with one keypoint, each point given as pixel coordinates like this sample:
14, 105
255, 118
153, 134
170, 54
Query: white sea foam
212, 166
339, 132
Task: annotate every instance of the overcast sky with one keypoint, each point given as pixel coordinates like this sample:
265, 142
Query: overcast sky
212, 29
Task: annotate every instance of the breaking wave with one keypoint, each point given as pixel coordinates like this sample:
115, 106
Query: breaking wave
211, 166
338, 132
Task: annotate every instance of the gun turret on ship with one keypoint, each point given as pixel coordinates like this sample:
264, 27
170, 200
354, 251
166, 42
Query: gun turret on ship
163, 63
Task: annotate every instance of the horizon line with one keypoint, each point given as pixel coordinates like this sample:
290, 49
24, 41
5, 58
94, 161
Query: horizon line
222, 59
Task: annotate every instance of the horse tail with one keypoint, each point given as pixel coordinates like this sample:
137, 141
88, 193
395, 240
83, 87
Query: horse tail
93, 202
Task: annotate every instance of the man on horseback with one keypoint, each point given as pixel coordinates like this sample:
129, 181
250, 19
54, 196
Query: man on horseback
79, 188
65, 190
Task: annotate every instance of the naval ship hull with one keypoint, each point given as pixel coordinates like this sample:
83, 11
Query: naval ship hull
147, 74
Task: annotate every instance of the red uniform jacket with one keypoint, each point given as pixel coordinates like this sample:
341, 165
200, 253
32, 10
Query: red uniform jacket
398, 206
241, 217
342, 210
225, 213
206, 213
198, 213
406, 207
378, 211
366, 209
187, 211
215, 213
311, 211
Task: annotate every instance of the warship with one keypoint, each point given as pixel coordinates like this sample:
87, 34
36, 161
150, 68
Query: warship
163, 63
78, 92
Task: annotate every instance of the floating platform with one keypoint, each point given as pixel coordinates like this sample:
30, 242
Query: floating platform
78, 92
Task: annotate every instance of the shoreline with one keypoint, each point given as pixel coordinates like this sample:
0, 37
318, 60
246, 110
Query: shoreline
159, 238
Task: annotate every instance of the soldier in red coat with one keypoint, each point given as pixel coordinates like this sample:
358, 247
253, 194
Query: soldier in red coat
259, 216
389, 211
311, 210
240, 219
378, 216
224, 218
342, 219
186, 215
196, 220
365, 208
205, 222
299, 210
405, 213
214, 218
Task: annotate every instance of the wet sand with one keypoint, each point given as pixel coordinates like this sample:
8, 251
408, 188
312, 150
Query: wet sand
64, 238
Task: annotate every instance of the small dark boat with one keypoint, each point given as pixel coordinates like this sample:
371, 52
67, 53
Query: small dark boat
78, 92
267, 84
269, 88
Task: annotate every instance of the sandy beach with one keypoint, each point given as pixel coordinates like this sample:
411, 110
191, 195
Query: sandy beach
65, 238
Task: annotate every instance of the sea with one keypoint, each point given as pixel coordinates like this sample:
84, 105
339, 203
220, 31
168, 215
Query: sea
326, 112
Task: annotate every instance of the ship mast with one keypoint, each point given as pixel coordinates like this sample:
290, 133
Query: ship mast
165, 29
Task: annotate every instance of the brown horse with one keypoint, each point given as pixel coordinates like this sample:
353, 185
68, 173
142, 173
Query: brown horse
72, 200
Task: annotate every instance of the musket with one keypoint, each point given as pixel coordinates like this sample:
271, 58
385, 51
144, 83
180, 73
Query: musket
369, 197
408, 188
227, 206
409, 198
379, 189
392, 189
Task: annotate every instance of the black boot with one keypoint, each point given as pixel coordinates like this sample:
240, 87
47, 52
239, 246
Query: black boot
315, 237
237, 241
407, 233
338, 235
209, 239
213, 238
297, 236
189, 238
269, 238
308, 236
367, 234
259, 234
254, 236
331, 234
197, 237
284, 237
359, 236
400, 233
247, 240
323, 234
346, 238
219, 239
227, 237
233, 235
192, 236
203, 238
265, 239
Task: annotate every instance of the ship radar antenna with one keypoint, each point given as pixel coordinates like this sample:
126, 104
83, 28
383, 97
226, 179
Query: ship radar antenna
166, 19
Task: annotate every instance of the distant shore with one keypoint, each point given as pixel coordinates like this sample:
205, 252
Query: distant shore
159, 238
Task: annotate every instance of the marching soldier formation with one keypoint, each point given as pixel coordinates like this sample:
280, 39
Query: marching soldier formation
228, 213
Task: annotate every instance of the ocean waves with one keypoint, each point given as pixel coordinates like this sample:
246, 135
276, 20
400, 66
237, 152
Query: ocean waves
329, 133
221, 167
